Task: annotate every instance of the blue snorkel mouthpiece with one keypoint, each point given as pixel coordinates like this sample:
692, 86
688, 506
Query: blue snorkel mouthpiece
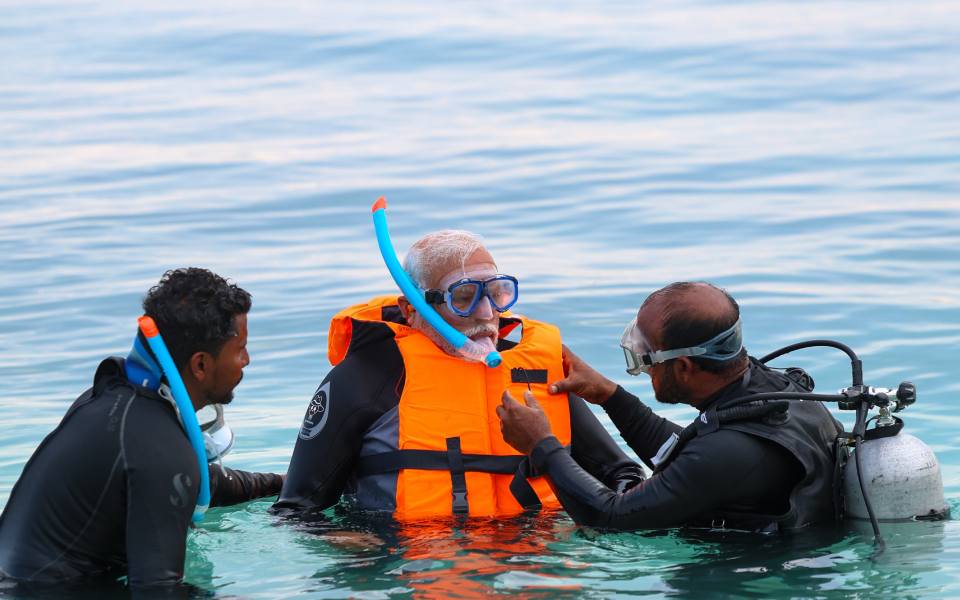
187, 414
466, 347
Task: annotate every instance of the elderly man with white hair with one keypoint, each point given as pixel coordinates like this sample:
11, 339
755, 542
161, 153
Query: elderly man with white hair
406, 425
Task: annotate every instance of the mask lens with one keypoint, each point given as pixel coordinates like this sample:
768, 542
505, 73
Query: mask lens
634, 346
218, 438
209, 416
633, 365
502, 292
463, 297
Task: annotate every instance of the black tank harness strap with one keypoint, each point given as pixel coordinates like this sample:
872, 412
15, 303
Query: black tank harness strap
457, 463
773, 411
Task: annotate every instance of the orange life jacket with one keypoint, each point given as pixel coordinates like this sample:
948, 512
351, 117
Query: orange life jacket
448, 454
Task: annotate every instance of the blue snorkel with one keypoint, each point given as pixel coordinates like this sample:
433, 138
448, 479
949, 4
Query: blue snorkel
465, 346
187, 414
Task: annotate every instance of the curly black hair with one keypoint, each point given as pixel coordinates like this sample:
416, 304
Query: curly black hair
194, 309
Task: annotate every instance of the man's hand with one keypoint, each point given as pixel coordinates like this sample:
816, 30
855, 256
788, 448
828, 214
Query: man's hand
582, 380
523, 427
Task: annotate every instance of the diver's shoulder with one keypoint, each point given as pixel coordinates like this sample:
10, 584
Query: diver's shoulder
726, 441
360, 374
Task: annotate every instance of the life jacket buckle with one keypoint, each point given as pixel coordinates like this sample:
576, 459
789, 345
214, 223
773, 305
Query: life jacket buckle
460, 505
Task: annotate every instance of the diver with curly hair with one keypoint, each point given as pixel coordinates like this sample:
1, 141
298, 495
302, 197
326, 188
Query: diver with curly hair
110, 492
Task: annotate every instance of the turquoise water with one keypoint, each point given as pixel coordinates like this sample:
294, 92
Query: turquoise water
803, 155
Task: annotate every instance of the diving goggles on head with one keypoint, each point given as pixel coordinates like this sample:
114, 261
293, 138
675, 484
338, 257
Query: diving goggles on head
463, 296
640, 358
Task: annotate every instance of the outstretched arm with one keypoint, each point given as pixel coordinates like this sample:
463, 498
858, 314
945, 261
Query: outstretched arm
594, 450
641, 428
230, 486
723, 469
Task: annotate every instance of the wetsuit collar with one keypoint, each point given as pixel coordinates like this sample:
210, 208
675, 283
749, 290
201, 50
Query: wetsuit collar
735, 389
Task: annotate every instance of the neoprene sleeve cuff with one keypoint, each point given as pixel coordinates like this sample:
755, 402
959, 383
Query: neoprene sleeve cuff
542, 451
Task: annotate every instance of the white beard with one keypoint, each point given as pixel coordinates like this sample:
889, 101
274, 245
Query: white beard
421, 325
487, 344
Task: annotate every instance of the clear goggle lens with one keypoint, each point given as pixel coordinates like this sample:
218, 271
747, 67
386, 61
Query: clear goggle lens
631, 339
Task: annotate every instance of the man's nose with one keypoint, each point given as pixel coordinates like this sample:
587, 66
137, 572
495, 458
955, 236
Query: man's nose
484, 310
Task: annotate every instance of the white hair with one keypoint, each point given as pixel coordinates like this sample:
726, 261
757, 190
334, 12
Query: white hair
436, 249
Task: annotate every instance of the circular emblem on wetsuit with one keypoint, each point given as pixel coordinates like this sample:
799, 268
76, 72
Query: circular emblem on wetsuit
317, 413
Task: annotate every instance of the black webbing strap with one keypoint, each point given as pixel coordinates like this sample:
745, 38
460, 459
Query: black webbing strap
457, 476
434, 460
521, 488
439, 460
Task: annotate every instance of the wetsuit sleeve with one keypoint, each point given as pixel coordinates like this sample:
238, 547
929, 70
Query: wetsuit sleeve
721, 469
161, 490
642, 429
356, 392
229, 486
594, 450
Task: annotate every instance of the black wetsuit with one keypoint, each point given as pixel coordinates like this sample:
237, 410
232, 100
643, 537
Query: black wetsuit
111, 491
731, 471
365, 386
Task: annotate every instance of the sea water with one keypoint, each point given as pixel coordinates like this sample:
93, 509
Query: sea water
803, 155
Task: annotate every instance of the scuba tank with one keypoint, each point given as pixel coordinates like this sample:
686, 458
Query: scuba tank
880, 473
900, 472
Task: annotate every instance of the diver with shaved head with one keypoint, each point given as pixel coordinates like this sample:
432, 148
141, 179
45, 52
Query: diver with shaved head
740, 465
406, 424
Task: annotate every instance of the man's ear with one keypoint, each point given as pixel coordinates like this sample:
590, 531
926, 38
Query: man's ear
199, 365
406, 309
686, 368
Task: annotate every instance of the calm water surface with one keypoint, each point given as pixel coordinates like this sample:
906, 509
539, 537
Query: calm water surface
803, 155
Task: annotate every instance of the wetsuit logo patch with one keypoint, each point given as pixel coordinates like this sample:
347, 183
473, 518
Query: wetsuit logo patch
181, 483
317, 413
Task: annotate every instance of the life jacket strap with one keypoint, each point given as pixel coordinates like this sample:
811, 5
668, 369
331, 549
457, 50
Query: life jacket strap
522, 490
434, 460
456, 462
457, 476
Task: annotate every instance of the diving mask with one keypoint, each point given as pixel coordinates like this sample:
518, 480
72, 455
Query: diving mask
463, 296
218, 438
636, 350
